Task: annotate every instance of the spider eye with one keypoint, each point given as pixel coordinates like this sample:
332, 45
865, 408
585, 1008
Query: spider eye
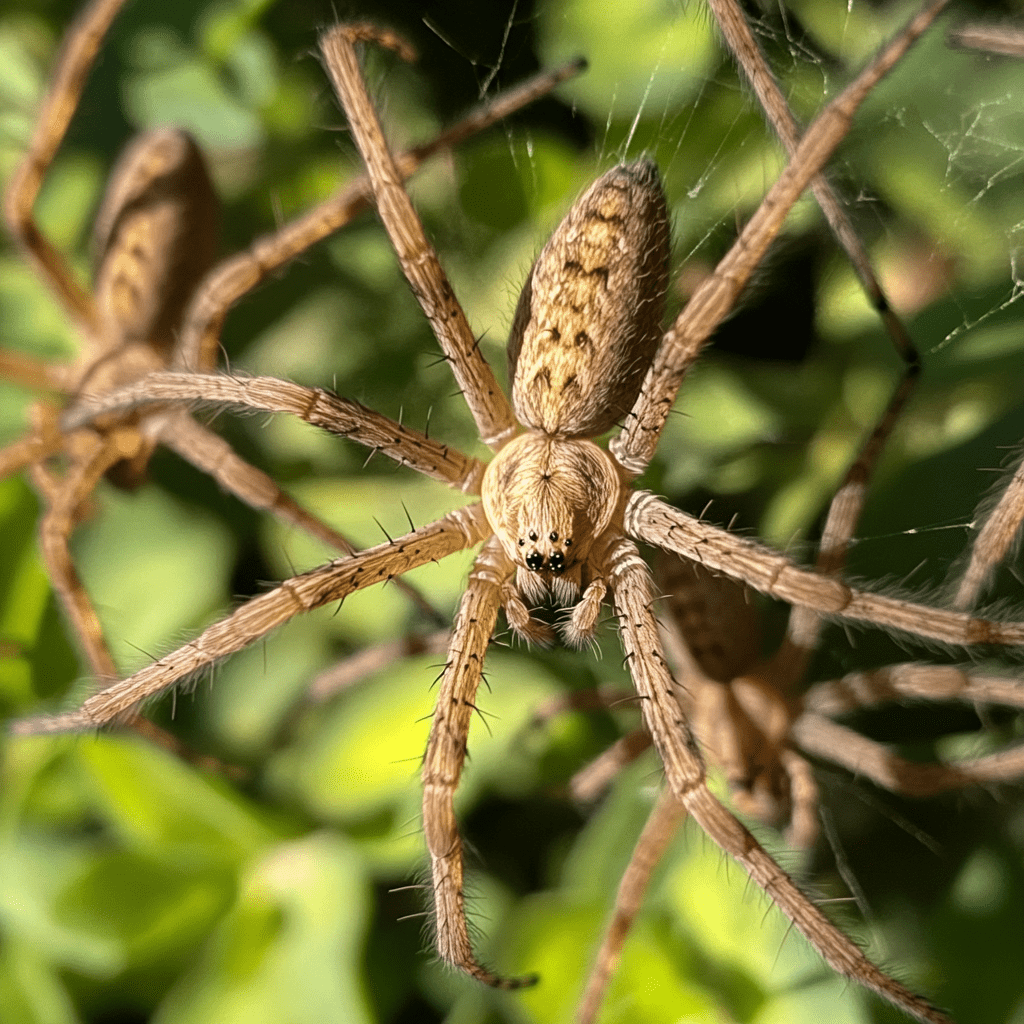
553, 537
533, 535
568, 542
556, 563
521, 542
535, 561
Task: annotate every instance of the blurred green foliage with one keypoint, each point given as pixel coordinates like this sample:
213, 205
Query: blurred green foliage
137, 888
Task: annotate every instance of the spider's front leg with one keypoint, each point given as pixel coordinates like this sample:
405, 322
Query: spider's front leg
633, 597
446, 753
331, 582
420, 265
634, 447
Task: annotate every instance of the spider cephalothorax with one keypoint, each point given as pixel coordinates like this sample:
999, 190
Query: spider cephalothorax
548, 499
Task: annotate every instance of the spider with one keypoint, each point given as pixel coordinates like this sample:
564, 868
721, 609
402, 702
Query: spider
257, 658
157, 301
556, 512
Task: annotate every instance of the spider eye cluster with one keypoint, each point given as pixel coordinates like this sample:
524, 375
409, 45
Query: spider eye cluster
555, 561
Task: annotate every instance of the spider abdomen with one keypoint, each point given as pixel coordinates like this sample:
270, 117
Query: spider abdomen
589, 316
156, 236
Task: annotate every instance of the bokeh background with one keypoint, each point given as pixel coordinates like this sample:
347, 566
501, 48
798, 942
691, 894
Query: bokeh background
134, 887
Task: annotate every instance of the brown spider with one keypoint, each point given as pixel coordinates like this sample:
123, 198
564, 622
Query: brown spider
557, 513
157, 302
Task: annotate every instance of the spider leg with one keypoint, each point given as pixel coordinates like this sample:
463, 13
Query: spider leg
684, 770
239, 274
350, 671
346, 673
331, 582
596, 776
313, 405
604, 698
635, 445
593, 779
802, 831
81, 45
62, 499
866, 757
708, 615
1003, 39
993, 542
745, 48
446, 753
655, 522
817, 734
28, 450
31, 372
911, 681
487, 402
661, 826
712, 636
212, 455
803, 629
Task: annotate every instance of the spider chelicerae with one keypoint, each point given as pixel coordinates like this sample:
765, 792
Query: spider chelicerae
509, 499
